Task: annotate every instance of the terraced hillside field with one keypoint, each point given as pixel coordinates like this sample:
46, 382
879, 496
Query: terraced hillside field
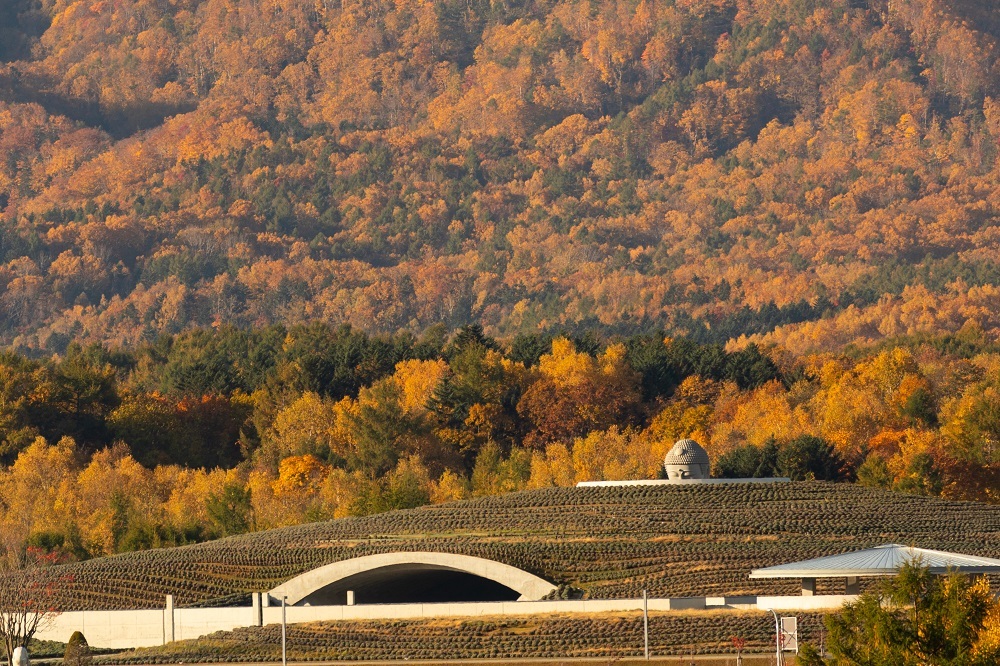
545, 637
609, 542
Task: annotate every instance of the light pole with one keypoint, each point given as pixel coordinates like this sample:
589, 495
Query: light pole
284, 653
645, 622
777, 637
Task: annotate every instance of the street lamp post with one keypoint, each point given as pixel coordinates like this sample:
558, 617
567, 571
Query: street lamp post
777, 637
645, 623
284, 652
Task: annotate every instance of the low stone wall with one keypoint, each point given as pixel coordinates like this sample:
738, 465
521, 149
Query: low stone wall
678, 482
822, 602
146, 628
108, 629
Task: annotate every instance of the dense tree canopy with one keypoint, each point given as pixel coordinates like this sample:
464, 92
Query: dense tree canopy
219, 431
917, 618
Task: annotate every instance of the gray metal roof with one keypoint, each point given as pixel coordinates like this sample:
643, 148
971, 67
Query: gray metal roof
880, 561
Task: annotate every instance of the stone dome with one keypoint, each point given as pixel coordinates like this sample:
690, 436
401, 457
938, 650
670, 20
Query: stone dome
686, 452
686, 460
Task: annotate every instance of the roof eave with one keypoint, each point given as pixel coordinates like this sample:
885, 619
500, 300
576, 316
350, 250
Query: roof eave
842, 573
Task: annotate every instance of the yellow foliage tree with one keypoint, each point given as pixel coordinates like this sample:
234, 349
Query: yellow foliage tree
305, 427
449, 487
553, 467
114, 492
613, 455
417, 380
299, 475
34, 493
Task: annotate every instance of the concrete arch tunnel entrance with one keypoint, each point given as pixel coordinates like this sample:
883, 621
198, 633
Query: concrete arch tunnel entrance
420, 577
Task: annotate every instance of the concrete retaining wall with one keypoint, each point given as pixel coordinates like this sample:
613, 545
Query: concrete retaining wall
196, 622
111, 629
146, 628
823, 602
677, 482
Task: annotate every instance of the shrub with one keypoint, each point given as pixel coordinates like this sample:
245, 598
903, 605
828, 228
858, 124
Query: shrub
77, 651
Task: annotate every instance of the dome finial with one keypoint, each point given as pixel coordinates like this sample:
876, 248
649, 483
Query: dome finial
686, 460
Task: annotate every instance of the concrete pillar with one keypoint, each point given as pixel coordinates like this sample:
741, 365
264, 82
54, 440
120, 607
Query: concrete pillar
265, 600
258, 612
808, 587
851, 585
350, 597
168, 620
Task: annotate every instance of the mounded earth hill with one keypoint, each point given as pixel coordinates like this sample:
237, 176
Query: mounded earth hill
608, 542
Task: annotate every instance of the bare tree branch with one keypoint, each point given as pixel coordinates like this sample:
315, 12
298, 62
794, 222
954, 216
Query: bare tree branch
26, 605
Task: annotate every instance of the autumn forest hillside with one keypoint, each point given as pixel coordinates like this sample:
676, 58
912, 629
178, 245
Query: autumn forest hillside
265, 262
802, 172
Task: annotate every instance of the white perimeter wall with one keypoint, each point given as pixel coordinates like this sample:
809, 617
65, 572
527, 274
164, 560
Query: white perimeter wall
146, 628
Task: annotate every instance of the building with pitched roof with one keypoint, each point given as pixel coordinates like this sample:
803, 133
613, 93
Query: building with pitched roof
884, 560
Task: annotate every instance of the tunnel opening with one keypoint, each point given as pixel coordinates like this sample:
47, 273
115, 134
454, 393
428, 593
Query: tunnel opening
411, 583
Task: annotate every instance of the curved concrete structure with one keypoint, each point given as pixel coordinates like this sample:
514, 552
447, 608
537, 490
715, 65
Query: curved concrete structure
529, 586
